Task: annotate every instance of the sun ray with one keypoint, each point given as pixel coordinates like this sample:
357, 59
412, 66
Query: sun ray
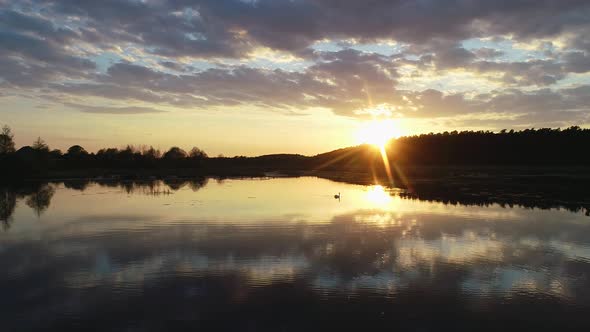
383, 152
380, 133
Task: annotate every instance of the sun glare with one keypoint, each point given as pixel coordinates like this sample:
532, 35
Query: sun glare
377, 132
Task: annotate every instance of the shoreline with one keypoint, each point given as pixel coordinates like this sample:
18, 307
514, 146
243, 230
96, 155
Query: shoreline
545, 187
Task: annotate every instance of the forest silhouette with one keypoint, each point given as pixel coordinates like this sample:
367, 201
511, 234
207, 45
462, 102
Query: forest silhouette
529, 147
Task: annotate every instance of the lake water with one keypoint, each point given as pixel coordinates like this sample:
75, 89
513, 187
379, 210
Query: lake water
283, 254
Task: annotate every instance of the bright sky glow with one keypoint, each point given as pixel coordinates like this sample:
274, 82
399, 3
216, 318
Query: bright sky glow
377, 132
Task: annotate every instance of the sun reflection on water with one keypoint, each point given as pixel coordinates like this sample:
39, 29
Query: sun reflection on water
377, 195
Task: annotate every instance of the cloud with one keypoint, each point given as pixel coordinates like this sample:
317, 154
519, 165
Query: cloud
347, 83
543, 107
175, 66
344, 81
533, 72
33, 52
152, 52
114, 110
232, 28
577, 62
488, 53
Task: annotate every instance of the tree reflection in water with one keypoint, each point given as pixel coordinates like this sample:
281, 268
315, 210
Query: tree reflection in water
7, 205
40, 200
38, 195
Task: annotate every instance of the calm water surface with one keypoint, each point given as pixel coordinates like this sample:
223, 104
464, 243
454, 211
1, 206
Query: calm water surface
283, 255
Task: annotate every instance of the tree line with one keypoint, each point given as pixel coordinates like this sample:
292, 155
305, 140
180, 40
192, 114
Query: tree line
544, 146
528, 147
531, 147
38, 157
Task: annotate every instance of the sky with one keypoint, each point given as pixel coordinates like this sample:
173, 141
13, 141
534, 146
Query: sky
251, 77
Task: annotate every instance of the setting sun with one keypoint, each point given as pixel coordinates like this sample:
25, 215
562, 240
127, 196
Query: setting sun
377, 132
